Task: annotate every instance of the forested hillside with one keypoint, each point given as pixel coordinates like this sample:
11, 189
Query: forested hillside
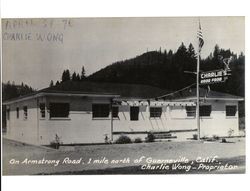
166, 69
10, 91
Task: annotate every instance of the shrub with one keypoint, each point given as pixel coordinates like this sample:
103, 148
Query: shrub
230, 132
216, 137
150, 137
123, 139
138, 140
106, 139
195, 136
56, 143
224, 140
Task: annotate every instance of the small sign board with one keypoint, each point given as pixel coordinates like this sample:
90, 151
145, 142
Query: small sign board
215, 76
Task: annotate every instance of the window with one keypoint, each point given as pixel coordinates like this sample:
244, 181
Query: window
100, 110
115, 111
231, 110
42, 110
155, 111
134, 113
8, 114
59, 110
17, 112
25, 112
191, 111
205, 110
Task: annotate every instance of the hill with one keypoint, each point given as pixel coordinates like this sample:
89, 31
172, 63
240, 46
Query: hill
124, 90
166, 70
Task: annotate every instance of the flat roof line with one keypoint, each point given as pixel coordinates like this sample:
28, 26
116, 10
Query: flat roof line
40, 94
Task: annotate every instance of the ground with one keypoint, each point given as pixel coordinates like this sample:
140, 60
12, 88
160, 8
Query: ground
136, 158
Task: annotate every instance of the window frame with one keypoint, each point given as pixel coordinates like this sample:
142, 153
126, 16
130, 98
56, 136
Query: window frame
155, 114
132, 118
97, 113
230, 116
17, 113
200, 111
54, 110
25, 112
116, 112
193, 112
42, 111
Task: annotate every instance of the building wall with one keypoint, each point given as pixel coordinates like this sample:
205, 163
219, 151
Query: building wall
218, 123
175, 120
23, 129
80, 127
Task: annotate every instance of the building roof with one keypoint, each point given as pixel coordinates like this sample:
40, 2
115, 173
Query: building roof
87, 88
123, 91
190, 95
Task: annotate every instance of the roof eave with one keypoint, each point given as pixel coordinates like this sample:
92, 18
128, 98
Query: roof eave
59, 94
220, 99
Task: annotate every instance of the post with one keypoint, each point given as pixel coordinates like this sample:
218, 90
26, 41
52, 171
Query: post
111, 108
38, 118
198, 94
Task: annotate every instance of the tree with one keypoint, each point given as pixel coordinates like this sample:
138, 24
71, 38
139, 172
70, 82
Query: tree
65, 75
12, 90
191, 51
83, 73
57, 83
51, 83
78, 78
165, 52
74, 77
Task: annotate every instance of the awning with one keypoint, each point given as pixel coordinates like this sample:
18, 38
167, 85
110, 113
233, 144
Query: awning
157, 103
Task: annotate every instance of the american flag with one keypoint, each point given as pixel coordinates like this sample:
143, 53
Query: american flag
200, 37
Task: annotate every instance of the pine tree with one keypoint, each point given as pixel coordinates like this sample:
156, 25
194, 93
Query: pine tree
51, 83
65, 75
74, 77
83, 73
191, 51
78, 78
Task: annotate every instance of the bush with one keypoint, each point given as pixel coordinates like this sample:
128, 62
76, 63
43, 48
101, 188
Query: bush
123, 139
216, 137
230, 132
195, 136
56, 143
150, 137
224, 140
138, 140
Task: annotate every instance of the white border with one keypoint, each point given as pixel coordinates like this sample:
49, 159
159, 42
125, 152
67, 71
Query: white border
127, 8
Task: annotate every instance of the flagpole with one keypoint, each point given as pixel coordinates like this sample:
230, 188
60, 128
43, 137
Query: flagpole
198, 95
198, 89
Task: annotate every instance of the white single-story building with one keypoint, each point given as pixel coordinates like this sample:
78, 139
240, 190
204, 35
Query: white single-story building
101, 111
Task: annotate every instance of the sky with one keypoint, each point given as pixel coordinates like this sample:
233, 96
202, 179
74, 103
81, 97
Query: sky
36, 51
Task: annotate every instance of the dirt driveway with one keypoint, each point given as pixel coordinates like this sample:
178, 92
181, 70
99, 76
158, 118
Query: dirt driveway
140, 158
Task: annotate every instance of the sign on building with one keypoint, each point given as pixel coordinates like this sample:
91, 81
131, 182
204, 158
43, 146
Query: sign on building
215, 76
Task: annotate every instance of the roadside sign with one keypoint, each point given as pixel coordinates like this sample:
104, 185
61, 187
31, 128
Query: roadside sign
215, 76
